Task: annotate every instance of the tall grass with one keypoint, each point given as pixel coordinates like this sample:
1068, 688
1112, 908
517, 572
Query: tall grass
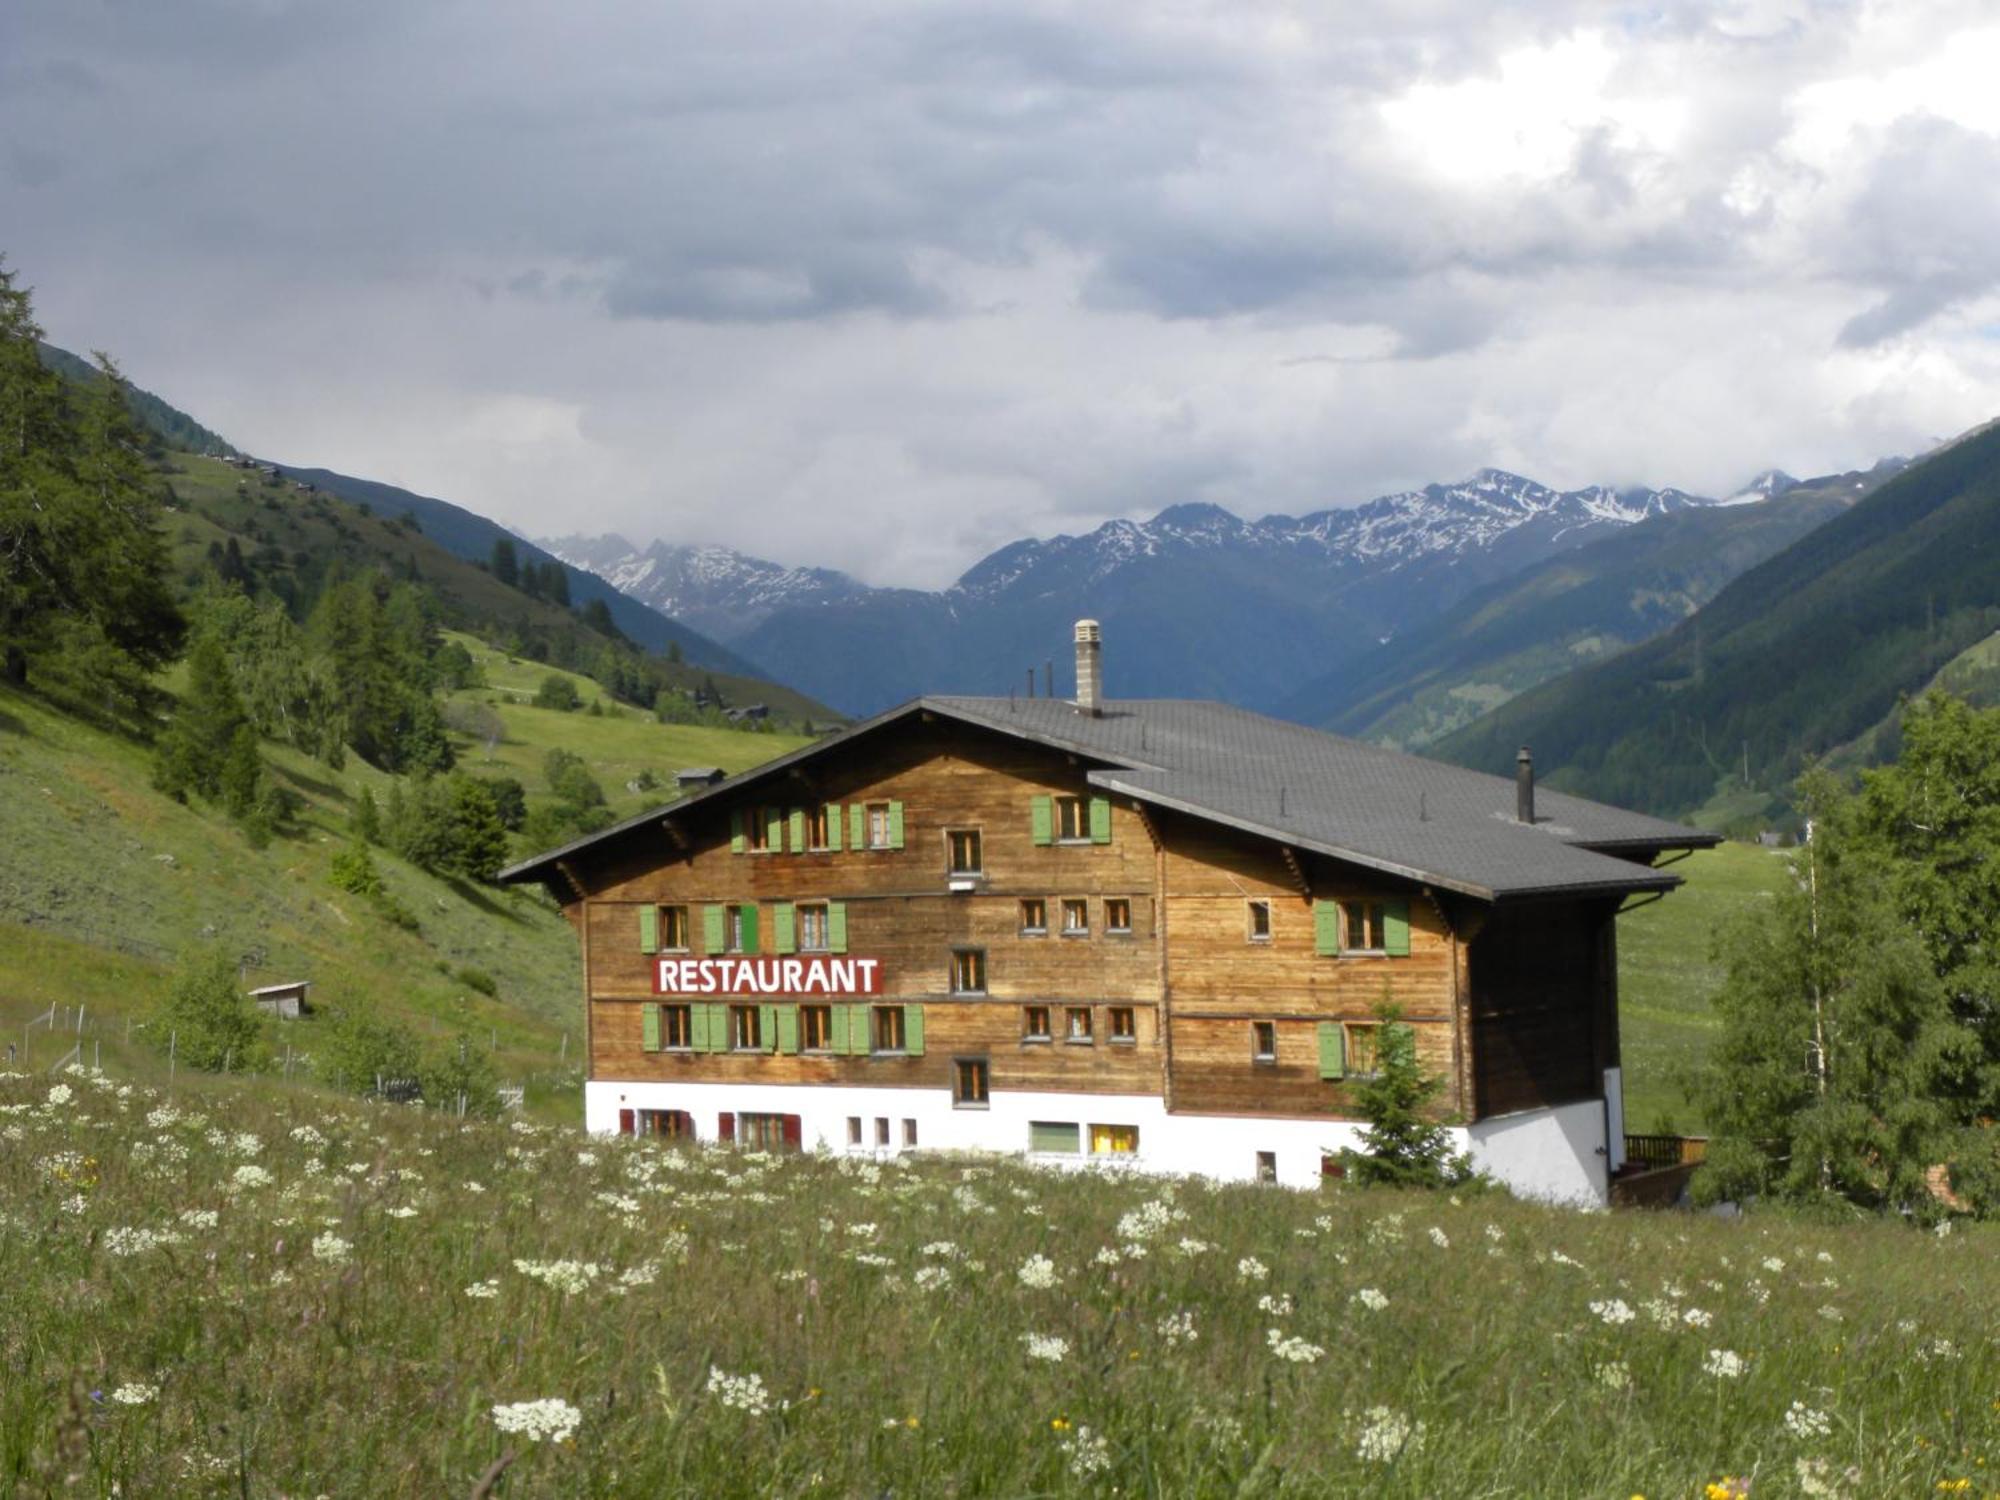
357, 1306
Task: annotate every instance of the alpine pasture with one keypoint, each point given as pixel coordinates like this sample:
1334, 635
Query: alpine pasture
243, 1289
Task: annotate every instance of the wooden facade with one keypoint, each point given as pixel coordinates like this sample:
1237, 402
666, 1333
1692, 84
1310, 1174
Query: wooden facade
1232, 995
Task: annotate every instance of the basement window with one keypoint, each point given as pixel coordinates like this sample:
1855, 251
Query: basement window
1055, 1137
1114, 1140
854, 1130
909, 1133
1257, 916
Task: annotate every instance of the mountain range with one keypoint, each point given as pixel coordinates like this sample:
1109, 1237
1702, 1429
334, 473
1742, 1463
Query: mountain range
1281, 613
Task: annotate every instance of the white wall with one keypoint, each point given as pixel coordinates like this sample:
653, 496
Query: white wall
1614, 1115
1557, 1155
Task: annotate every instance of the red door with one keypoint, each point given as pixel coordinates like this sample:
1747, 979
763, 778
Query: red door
628, 1122
794, 1132
725, 1127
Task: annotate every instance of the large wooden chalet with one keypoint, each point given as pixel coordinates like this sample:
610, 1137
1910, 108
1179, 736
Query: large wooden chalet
1146, 930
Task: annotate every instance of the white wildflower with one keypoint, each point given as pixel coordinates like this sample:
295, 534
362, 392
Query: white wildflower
1293, 1349
552, 1420
1695, 1317
1803, 1422
567, 1276
1046, 1346
331, 1248
1087, 1453
1107, 1255
1177, 1329
135, 1394
1774, 1264
1440, 1238
1194, 1247
1495, 1233
1371, 1299
60, 1095
932, 1278
1278, 1305
199, 1218
1038, 1271
1937, 1349
138, 1241
1614, 1375
1252, 1269
250, 1175
1385, 1435
1613, 1311
484, 1290
1724, 1364
402, 1211
305, 1135
941, 1250
739, 1392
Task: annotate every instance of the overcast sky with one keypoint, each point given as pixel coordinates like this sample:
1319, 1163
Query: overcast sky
882, 286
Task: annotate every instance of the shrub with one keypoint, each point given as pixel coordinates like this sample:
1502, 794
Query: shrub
557, 692
480, 980
206, 1020
354, 872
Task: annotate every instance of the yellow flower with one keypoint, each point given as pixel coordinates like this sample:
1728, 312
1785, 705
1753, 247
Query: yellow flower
911, 1422
1058, 1424
1953, 1486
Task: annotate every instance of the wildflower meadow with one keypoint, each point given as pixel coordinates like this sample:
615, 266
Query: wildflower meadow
240, 1290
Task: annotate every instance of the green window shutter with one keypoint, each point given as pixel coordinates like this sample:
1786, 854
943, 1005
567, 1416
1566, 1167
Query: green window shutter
1396, 928
913, 1030
718, 1027
857, 825
649, 929
1042, 819
736, 839
767, 1027
750, 929
788, 1029
858, 1040
895, 825
713, 933
836, 1035
1326, 927
698, 1027
798, 821
833, 826
1100, 820
1332, 1050
774, 830
836, 926
1054, 1136
784, 928
649, 1025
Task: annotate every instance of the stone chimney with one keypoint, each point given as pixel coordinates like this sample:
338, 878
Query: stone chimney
1524, 786
1089, 668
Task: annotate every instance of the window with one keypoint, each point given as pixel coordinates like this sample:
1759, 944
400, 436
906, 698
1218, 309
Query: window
1072, 821
968, 1082
674, 929
1114, 1140
963, 844
1055, 1137
1264, 1041
878, 825
1267, 1166
766, 829
1034, 1023
1366, 930
854, 1130
1123, 1026
677, 1026
1117, 914
887, 1032
736, 929
968, 971
1259, 921
815, 1028
745, 1032
670, 1124
1034, 917
768, 1132
817, 833
1361, 1051
1076, 1024
1076, 918
881, 1130
812, 929
909, 1132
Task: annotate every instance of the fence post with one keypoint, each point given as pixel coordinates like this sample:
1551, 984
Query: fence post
173, 1043
79, 1020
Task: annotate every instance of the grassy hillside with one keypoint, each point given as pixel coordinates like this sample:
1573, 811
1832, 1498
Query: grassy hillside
1798, 657
291, 534
104, 882
1667, 977
1560, 614
248, 1291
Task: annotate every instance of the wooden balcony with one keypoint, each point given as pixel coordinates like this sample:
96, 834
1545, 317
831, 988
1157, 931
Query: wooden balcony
1656, 1170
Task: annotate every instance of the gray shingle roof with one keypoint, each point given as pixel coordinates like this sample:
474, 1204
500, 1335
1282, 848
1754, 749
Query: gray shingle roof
1403, 814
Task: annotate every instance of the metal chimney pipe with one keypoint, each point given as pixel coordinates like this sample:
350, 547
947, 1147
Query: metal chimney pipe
1089, 668
1524, 786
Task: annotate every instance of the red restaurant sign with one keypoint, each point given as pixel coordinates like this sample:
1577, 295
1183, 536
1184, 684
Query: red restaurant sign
768, 976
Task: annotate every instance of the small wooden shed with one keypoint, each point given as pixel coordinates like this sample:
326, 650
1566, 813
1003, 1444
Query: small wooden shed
696, 778
286, 1001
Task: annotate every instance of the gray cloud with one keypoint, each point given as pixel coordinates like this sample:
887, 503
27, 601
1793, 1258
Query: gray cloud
884, 285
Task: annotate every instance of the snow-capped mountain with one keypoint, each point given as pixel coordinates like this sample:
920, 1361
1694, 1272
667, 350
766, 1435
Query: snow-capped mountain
714, 589
1196, 601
